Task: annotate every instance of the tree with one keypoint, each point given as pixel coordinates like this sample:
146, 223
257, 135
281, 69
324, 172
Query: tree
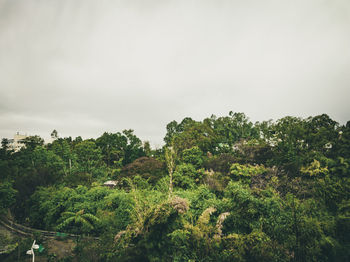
31, 142
5, 143
174, 128
342, 144
289, 144
147, 167
47, 163
133, 148
186, 176
111, 147
88, 155
193, 156
230, 129
195, 134
147, 148
321, 133
116, 147
7, 196
78, 222
54, 134
62, 148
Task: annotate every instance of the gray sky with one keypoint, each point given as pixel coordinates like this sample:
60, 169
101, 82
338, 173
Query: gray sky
85, 67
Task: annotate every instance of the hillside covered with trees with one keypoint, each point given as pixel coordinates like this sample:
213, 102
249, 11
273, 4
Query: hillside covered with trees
220, 189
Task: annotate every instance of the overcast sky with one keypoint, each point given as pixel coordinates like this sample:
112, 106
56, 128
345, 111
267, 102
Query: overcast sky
85, 67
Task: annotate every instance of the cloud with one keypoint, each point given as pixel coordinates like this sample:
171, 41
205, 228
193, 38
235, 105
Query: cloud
85, 67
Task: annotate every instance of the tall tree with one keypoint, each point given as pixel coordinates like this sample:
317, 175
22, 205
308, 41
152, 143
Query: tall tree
88, 155
116, 147
31, 142
54, 134
289, 143
230, 129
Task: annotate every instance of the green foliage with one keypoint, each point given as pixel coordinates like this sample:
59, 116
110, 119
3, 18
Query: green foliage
32, 142
89, 155
186, 176
342, 226
314, 170
193, 156
194, 134
7, 196
230, 129
221, 189
288, 140
48, 161
173, 129
220, 163
49, 203
151, 233
62, 148
200, 199
80, 221
253, 151
342, 144
122, 205
146, 167
333, 190
256, 246
5, 144
244, 173
78, 178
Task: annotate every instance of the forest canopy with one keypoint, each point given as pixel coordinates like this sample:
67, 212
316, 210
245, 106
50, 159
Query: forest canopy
220, 189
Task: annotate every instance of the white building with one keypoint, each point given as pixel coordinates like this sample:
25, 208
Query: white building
17, 142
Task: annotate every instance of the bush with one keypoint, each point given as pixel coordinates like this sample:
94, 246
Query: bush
186, 176
193, 156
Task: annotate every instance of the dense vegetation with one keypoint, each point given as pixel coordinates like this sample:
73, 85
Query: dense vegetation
221, 189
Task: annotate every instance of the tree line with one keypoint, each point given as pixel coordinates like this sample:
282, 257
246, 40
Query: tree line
220, 189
